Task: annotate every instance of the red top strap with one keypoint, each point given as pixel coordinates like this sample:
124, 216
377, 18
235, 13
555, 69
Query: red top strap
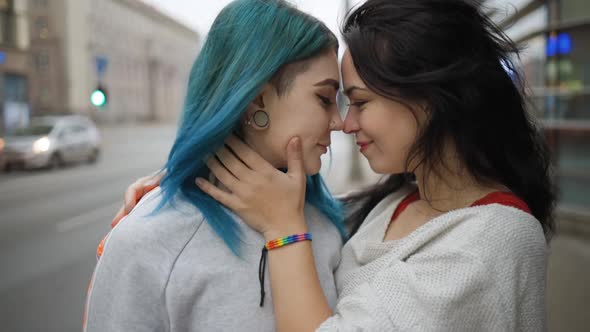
496, 197
411, 198
503, 198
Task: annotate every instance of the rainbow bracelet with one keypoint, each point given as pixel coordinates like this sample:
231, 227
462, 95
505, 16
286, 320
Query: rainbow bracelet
283, 241
270, 245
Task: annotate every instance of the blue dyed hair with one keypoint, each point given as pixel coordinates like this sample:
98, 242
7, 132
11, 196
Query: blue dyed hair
249, 44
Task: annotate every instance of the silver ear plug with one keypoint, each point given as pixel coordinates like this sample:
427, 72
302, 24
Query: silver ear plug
260, 119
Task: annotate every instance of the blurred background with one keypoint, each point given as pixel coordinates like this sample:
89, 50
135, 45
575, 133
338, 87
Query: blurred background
90, 92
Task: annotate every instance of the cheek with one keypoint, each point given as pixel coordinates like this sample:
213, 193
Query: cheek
394, 133
269, 149
274, 148
399, 141
312, 161
311, 127
304, 119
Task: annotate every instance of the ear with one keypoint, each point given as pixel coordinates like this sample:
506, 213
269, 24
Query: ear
258, 104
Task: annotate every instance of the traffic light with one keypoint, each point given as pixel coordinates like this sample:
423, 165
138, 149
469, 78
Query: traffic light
99, 96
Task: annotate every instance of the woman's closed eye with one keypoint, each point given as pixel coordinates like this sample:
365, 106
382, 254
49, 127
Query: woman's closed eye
326, 101
358, 104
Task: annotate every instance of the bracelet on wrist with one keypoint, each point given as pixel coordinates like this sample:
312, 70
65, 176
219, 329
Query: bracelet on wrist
274, 244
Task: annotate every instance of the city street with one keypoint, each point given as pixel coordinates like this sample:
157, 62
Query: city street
52, 221
132, 68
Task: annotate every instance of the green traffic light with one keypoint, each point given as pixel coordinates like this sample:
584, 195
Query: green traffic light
98, 98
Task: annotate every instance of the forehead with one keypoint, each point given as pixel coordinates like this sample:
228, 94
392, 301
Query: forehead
350, 76
320, 68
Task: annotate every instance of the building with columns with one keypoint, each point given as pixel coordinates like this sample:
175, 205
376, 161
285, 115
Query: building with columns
54, 53
146, 58
15, 69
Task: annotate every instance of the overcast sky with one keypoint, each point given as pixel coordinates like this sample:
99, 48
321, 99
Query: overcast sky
199, 14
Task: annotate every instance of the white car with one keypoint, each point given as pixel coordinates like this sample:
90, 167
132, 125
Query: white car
52, 141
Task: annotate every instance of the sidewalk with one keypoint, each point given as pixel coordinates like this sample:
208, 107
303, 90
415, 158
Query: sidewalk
573, 222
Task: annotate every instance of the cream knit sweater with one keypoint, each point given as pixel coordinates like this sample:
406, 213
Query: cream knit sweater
474, 269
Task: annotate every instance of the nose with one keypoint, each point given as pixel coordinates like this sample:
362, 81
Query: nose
351, 123
336, 122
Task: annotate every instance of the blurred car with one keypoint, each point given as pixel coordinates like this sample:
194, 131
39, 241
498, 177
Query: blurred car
52, 141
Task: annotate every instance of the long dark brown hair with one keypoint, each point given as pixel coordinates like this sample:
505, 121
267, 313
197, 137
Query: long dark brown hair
450, 56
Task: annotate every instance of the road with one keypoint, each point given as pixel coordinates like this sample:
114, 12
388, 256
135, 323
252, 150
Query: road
52, 221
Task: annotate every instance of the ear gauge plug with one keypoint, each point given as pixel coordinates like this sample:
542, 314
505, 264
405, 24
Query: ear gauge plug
260, 119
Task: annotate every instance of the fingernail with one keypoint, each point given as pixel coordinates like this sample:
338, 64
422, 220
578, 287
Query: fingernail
200, 182
297, 142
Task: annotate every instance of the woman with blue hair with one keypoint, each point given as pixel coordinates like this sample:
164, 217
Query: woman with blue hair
181, 261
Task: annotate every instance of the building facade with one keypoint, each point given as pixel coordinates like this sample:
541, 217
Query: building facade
556, 64
15, 70
146, 59
140, 56
49, 86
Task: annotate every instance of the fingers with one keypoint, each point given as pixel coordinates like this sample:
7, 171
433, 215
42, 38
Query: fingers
219, 195
222, 174
155, 180
233, 164
295, 158
135, 192
250, 157
131, 196
149, 186
141, 187
118, 216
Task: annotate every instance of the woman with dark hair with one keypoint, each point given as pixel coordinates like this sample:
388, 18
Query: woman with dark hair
456, 237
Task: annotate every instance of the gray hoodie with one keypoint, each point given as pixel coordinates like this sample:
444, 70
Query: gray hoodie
171, 272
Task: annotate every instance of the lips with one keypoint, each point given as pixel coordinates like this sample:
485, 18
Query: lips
324, 146
363, 145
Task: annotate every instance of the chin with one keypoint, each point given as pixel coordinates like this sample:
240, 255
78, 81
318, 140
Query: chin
381, 168
313, 168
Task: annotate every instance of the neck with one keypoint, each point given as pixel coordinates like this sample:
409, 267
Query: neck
452, 187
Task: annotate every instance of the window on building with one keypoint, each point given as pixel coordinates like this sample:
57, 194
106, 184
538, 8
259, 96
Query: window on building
7, 22
40, 3
565, 103
572, 10
15, 88
44, 96
41, 27
41, 61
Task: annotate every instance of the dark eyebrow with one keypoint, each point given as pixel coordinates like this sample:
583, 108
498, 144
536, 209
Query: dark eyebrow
331, 82
351, 89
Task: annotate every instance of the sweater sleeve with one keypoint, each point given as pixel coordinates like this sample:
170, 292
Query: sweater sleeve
446, 291
126, 292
